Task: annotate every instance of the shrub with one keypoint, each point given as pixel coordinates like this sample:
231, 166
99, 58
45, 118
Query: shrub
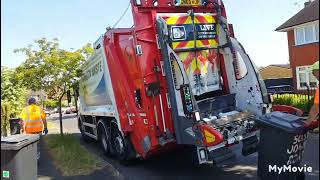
13, 97
5, 116
64, 103
296, 100
51, 103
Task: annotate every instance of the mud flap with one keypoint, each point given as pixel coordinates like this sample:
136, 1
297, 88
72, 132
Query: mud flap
250, 145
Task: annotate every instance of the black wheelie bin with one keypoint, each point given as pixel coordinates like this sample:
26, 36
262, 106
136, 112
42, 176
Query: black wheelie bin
19, 157
282, 142
15, 126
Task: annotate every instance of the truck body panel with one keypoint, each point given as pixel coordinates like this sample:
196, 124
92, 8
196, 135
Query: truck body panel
176, 77
96, 93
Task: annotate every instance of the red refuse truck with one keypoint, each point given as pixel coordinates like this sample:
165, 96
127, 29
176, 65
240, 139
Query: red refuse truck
178, 77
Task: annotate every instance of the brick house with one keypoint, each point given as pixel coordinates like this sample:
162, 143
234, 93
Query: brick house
303, 42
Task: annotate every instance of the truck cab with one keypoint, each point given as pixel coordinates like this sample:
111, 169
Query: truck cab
177, 77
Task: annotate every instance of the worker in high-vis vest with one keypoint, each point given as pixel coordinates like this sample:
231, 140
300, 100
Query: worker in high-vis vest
33, 120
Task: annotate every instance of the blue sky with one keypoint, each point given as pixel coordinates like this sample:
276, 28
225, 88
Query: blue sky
77, 22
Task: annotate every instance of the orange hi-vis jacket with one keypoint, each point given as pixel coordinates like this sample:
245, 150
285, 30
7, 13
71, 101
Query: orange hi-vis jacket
316, 97
32, 117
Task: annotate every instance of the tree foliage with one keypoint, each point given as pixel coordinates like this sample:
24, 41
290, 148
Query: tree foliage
52, 69
12, 91
5, 116
13, 97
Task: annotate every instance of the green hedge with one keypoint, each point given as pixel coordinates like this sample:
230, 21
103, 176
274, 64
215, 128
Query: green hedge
296, 100
50, 103
5, 116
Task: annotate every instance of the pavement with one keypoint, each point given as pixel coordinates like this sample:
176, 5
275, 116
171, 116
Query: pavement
173, 165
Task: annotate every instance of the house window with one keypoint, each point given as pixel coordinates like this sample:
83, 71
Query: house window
317, 32
299, 36
305, 78
307, 34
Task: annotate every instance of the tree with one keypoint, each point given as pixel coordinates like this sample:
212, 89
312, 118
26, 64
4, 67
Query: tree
13, 97
5, 116
49, 68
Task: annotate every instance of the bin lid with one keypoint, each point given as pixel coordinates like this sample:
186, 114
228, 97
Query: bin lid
14, 119
287, 122
18, 141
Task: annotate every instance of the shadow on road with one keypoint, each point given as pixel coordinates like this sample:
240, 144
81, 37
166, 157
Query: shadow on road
64, 117
178, 164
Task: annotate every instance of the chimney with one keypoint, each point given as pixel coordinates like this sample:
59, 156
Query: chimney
307, 3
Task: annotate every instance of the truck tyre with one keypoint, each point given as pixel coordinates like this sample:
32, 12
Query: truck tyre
104, 139
129, 157
83, 135
123, 147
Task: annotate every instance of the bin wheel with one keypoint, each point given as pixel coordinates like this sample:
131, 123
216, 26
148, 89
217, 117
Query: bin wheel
123, 148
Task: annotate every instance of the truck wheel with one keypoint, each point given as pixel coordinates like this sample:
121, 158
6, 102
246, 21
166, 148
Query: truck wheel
104, 139
124, 149
130, 156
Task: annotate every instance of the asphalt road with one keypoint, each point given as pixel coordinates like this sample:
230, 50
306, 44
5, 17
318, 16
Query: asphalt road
177, 164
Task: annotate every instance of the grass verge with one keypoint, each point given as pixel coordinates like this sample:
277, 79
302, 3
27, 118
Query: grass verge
70, 157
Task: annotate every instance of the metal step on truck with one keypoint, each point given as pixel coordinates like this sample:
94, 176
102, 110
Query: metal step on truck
178, 77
